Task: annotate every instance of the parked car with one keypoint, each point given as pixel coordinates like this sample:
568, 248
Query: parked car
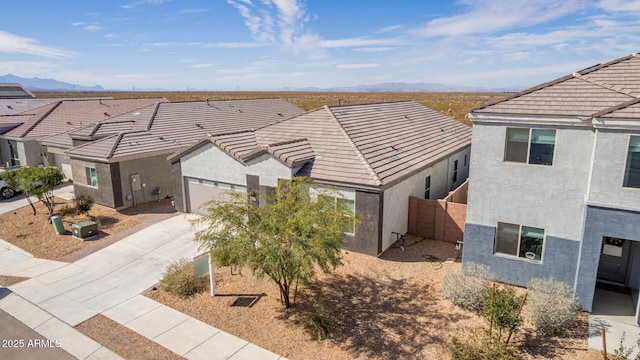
5, 191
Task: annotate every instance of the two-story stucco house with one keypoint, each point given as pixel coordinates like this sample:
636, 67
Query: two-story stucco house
555, 182
375, 155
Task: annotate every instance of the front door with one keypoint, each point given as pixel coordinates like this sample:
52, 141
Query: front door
614, 260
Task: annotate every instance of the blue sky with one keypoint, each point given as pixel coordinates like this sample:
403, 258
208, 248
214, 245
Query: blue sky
270, 44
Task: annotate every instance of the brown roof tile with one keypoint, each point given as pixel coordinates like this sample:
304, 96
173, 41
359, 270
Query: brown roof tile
176, 125
66, 115
585, 93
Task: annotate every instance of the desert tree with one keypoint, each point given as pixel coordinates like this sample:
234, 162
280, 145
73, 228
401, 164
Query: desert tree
35, 181
298, 228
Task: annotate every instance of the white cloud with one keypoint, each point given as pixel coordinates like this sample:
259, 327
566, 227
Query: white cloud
27, 68
14, 44
356, 66
93, 27
201, 66
620, 5
358, 42
496, 15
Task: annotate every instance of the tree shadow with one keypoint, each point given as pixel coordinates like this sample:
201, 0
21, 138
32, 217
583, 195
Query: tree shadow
551, 347
380, 317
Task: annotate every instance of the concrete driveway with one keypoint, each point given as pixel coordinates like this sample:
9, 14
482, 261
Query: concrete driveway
60, 295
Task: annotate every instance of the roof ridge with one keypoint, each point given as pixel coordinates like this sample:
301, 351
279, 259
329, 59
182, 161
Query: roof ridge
361, 157
231, 133
606, 85
373, 103
153, 116
35, 123
616, 107
115, 144
287, 142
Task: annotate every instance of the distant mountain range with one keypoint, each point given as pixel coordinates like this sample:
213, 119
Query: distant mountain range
37, 84
406, 87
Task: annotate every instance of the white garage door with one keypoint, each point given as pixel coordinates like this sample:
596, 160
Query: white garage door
200, 191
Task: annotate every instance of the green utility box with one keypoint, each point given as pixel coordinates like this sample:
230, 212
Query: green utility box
85, 230
56, 220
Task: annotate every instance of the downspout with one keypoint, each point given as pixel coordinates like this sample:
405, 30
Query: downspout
584, 215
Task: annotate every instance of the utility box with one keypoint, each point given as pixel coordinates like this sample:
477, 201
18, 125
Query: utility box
85, 230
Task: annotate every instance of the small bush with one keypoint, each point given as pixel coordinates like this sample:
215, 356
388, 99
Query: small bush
467, 287
83, 202
179, 279
320, 319
480, 346
551, 307
65, 210
504, 312
625, 353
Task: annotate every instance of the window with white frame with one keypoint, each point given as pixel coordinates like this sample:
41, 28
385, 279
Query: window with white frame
13, 151
530, 146
92, 176
350, 224
520, 241
632, 168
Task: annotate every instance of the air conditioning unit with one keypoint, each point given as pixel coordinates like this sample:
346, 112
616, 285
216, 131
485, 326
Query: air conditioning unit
85, 230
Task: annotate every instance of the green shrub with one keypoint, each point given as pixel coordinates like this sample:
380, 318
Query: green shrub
320, 319
65, 210
551, 307
504, 312
480, 346
467, 287
179, 279
83, 202
625, 353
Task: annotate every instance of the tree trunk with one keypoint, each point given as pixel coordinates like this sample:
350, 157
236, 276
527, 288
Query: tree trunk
30, 203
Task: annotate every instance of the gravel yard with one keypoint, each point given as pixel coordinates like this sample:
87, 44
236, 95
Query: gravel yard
389, 307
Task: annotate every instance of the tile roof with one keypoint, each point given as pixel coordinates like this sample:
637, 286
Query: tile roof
585, 93
372, 144
176, 125
12, 91
65, 115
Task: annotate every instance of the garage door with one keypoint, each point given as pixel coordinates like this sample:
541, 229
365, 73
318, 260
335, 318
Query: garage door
200, 191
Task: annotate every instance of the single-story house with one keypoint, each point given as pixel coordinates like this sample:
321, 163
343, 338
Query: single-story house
375, 155
122, 161
555, 183
19, 133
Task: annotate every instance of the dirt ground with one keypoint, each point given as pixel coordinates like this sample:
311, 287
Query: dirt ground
124, 342
34, 233
389, 308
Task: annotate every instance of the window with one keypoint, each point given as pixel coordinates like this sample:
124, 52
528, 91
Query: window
454, 178
13, 150
427, 187
532, 146
465, 160
92, 177
350, 224
632, 170
519, 240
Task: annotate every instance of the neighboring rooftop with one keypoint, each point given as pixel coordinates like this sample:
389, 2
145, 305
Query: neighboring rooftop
171, 126
64, 115
14, 91
371, 144
594, 90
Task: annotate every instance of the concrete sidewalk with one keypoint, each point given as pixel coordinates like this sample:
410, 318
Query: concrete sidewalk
109, 281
